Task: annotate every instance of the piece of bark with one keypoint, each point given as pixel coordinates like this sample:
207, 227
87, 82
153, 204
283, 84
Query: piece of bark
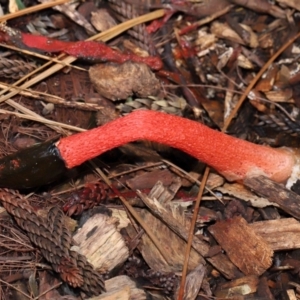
281, 234
101, 243
241, 286
287, 200
177, 227
248, 251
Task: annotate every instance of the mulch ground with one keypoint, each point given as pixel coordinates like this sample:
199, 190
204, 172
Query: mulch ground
123, 225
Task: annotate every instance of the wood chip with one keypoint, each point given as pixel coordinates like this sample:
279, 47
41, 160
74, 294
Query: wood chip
239, 191
275, 192
248, 251
101, 243
282, 234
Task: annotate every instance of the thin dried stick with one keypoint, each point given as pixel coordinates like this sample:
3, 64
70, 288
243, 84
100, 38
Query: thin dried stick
15, 288
42, 96
45, 57
191, 234
53, 287
42, 120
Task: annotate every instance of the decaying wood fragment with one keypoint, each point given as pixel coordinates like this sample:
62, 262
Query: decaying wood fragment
276, 193
101, 243
122, 216
241, 286
201, 8
248, 251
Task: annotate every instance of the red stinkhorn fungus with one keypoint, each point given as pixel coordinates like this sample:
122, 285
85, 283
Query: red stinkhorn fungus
233, 158
88, 50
